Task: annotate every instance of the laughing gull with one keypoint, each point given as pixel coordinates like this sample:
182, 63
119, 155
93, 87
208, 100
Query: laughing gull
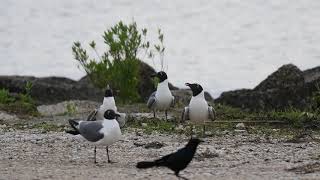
100, 132
108, 103
176, 161
162, 98
198, 109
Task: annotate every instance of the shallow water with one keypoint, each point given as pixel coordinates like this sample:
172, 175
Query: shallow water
221, 44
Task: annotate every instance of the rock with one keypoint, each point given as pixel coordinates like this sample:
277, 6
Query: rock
144, 124
66, 106
154, 145
7, 117
206, 154
240, 126
286, 87
139, 144
49, 90
311, 75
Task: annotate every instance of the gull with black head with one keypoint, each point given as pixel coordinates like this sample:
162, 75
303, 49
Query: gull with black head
100, 132
198, 109
162, 98
108, 103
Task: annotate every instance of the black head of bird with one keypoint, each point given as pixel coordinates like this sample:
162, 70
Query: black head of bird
110, 114
108, 92
194, 142
161, 75
195, 88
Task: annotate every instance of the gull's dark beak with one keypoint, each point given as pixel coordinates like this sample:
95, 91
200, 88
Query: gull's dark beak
187, 84
118, 115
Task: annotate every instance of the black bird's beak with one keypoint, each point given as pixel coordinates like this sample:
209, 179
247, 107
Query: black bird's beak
187, 84
201, 141
153, 75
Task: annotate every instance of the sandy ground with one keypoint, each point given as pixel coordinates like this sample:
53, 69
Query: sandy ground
30, 154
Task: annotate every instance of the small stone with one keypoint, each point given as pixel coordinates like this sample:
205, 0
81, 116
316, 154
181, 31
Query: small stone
154, 145
144, 124
240, 126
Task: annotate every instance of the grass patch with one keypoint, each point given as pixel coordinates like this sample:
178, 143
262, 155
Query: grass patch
43, 126
20, 104
153, 125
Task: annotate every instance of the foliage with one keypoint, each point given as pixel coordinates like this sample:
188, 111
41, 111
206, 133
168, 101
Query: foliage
315, 100
119, 64
21, 104
5, 96
71, 109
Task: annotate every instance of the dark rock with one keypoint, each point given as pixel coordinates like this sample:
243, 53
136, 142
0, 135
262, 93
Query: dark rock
154, 145
285, 88
183, 96
311, 75
49, 90
287, 76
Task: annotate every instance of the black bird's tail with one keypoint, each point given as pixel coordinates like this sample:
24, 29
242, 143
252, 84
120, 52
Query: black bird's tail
146, 164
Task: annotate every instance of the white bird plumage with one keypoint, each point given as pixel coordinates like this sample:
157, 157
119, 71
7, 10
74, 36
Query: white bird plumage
198, 109
162, 98
100, 132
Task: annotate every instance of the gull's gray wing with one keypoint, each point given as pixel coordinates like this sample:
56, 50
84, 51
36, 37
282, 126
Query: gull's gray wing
185, 114
92, 115
212, 113
172, 102
152, 100
122, 119
90, 130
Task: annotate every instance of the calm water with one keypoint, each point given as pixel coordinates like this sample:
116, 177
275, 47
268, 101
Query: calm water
221, 44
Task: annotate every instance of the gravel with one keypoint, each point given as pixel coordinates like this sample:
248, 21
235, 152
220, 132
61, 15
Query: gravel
30, 154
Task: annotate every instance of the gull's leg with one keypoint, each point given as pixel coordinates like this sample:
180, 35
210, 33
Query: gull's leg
154, 114
95, 153
166, 113
109, 161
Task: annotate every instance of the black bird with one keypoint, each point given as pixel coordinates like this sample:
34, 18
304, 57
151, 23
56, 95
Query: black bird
176, 161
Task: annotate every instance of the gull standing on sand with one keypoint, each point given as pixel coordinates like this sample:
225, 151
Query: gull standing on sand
108, 103
101, 132
162, 98
198, 109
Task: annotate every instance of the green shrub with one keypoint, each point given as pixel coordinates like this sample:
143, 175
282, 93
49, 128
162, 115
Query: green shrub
5, 96
71, 109
119, 64
21, 104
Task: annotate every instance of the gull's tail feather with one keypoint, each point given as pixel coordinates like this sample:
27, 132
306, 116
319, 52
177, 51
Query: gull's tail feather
146, 164
74, 124
73, 132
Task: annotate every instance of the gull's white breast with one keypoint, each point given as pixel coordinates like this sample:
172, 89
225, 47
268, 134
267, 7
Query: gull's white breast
198, 109
111, 131
163, 96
